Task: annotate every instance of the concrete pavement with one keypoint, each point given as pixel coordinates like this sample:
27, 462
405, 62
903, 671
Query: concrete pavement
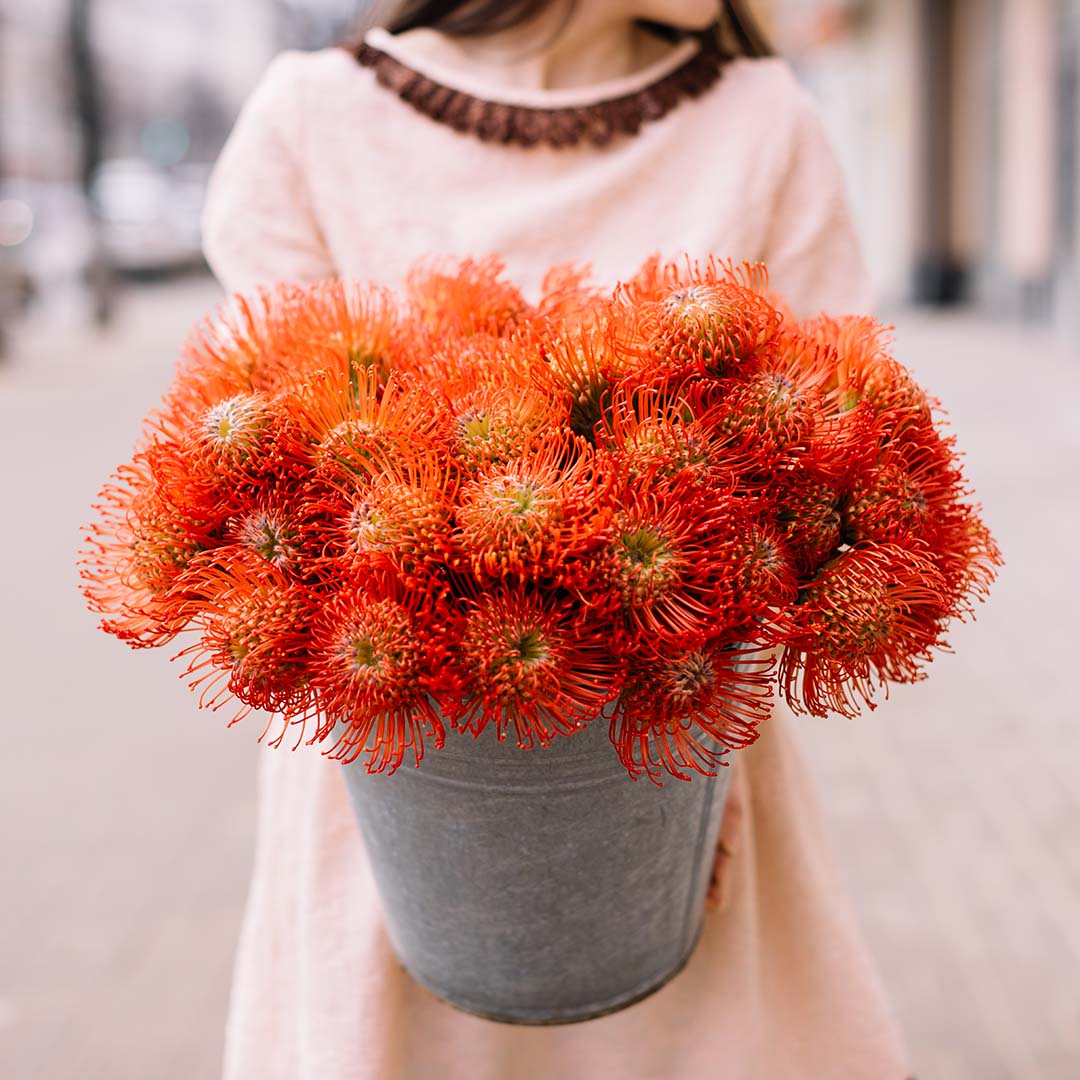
126, 814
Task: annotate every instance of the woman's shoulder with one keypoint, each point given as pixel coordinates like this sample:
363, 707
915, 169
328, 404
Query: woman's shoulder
293, 79
293, 71
765, 83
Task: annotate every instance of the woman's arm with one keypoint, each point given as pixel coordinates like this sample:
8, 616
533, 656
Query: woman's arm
258, 224
812, 250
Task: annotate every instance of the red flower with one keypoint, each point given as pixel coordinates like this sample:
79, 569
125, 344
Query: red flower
495, 409
536, 661
401, 518
584, 359
567, 294
808, 514
345, 327
713, 320
537, 517
246, 344
377, 651
673, 560
255, 633
228, 456
872, 615
135, 555
685, 710
466, 297
664, 430
866, 372
357, 422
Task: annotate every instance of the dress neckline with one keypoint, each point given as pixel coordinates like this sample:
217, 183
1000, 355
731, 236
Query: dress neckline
595, 113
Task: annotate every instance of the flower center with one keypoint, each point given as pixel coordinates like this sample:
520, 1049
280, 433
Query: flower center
692, 674
475, 427
269, 536
648, 563
366, 527
529, 648
644, 548
368, 658
234, 425
522, 501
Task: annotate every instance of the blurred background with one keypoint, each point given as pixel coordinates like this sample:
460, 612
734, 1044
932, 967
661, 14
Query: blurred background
127, 816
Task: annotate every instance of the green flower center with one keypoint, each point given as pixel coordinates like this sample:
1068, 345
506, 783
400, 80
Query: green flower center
528, 648
234, 425
475, 427
648, 563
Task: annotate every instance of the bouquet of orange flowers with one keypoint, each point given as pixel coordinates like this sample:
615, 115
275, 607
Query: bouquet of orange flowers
380, 516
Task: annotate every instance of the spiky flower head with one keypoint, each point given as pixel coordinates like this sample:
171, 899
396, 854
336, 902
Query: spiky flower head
537, 664
375, 650
254, 625
715, 320
537, 517
135, 554
665, 430
872, 615
672, 559
466, 297
808, 515
495, 411
682, 711
401, 518
358, 423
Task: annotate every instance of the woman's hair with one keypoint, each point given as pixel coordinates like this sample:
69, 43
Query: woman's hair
737, 28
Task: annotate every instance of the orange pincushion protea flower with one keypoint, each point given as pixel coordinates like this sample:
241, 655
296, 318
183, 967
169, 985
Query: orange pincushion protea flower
246, 344
713, 319
400, 518
685, 710
585, 359
358, 421
655, 429
866, 372
255, 628
536, 517
673, 561
493, 406
872, 615
383, 516
374, 649
808, 514
536, 662
136, 554
470, 297
345, 327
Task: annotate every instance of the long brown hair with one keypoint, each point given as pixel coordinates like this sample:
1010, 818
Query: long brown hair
739, 29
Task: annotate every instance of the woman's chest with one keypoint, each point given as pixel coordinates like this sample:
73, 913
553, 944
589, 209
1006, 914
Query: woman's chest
416, 189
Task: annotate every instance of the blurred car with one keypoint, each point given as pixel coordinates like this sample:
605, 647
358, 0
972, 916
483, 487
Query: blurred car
46, 243
149, 216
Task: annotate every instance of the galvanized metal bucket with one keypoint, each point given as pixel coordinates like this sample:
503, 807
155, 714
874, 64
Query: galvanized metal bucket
539, 886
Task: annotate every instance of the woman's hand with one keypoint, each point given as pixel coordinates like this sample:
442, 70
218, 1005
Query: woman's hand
731, 831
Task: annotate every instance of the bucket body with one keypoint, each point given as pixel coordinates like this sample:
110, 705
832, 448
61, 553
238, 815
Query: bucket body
538, 886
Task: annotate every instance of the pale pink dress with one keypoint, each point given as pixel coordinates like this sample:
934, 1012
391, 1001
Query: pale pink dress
329, 173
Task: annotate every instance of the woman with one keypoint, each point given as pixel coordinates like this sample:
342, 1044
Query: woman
599, 131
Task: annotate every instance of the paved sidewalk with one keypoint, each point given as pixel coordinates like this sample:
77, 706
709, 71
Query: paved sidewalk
127, 814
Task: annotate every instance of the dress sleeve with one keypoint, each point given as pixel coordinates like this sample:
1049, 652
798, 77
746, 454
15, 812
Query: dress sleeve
812, 250
258, 223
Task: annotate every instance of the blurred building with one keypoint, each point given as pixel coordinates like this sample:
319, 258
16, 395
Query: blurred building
111, 114
959, 125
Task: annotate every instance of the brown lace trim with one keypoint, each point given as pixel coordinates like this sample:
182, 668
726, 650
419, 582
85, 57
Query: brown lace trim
523, 125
